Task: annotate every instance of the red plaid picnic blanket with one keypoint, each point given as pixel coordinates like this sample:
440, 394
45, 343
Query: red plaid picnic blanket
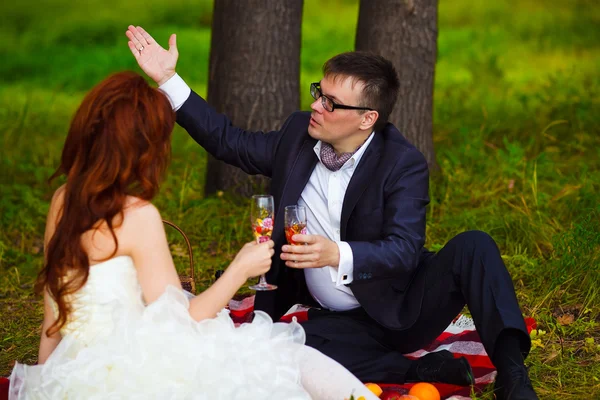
460, 338
3, 388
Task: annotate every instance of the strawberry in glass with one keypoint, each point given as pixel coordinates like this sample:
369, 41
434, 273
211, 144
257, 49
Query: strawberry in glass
294, 223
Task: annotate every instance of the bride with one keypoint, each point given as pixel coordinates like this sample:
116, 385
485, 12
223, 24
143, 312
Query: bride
116, 323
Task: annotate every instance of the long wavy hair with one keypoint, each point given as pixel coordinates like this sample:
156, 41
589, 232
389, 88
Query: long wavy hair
118, 145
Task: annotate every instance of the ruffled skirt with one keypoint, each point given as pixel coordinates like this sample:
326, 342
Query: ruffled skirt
159, 352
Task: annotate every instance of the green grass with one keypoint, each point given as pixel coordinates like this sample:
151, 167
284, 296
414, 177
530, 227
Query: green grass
516, 133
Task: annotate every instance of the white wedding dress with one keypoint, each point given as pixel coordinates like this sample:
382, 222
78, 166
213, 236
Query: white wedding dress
116, 347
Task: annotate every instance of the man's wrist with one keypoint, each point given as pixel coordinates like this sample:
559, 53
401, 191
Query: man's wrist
176, 90
345, 273
165, 78
336, 255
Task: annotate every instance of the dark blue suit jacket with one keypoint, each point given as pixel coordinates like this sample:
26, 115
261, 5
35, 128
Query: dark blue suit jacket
383, 214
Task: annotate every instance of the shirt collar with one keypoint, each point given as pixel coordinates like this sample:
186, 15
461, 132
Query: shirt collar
352, 161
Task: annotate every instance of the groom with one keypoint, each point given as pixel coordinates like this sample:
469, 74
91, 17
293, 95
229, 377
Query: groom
379, 292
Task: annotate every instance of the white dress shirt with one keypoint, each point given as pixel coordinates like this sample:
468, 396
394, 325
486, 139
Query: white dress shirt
323, 197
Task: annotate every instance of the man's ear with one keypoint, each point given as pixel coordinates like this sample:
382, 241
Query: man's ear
368, 120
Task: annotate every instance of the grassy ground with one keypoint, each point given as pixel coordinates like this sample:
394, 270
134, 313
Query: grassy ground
516, 133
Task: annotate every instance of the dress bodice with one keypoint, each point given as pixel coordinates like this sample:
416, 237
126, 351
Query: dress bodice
112, 287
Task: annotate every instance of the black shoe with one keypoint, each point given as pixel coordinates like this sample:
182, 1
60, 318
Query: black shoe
514, 384
442, 367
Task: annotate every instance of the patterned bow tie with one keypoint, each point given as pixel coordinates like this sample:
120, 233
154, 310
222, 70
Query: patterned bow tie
332, 161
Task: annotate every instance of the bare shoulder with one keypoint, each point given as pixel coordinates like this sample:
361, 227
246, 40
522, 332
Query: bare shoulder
140, 213
56, 205
142, 227
58, 198
54, 214
59, 193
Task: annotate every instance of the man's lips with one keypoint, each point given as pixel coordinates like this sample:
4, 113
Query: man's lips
313, 121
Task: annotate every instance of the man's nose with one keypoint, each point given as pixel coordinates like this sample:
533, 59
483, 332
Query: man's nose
317, 106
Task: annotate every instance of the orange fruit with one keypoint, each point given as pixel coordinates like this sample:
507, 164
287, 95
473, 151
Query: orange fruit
424, 391
375, 388
407, 397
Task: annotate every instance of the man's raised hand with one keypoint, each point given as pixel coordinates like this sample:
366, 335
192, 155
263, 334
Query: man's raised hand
158, 63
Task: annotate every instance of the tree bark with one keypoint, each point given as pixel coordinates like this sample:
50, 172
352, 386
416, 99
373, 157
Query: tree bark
405, 32
254, 75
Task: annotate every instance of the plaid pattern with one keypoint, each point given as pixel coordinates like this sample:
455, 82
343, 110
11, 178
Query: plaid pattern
332, 161
460, 338
4, 384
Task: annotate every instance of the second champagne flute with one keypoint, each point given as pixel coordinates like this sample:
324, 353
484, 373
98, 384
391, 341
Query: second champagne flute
295, 223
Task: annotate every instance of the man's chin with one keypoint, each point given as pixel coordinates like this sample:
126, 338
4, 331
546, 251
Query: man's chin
313, 132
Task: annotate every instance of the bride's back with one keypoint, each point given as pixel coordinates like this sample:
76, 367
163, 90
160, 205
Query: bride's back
112, 286
115, 155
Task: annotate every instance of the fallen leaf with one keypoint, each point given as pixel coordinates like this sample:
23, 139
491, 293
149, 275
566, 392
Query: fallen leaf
565, 319
551, 356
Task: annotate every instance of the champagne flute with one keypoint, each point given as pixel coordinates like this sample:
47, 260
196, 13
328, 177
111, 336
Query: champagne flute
295, 223
262, 217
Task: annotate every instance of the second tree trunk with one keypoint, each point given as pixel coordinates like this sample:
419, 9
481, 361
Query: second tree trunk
405, 32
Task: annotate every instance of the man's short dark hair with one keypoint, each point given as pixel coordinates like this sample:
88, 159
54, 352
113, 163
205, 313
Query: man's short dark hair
378, 75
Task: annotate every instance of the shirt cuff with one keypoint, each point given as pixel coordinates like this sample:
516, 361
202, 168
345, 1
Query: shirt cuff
176, 90
346, 266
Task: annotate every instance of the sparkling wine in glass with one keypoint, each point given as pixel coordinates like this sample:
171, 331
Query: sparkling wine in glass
262, 217
295, 223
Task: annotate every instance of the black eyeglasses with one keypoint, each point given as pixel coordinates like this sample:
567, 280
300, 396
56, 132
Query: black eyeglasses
328, 104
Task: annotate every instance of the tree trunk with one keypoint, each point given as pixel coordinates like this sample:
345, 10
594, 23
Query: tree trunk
405, 32
254, 75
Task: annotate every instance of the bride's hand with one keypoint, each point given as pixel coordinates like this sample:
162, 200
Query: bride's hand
158, 63
253, 259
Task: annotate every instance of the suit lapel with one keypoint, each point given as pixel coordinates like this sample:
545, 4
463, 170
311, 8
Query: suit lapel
297, 179
360, 180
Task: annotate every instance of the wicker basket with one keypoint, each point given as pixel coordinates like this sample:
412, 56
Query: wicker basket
188, 282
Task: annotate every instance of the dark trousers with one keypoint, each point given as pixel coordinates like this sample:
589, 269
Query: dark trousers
468, 270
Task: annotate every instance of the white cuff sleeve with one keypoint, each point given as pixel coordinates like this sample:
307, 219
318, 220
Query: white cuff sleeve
176, 90
346, 267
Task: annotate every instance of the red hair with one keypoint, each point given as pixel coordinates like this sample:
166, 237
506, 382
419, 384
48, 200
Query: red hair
118, 145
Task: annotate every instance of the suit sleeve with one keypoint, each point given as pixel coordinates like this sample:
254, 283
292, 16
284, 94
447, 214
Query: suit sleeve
252, 151
396, 255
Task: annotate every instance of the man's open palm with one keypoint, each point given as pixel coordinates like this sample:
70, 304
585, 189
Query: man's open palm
155, 61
